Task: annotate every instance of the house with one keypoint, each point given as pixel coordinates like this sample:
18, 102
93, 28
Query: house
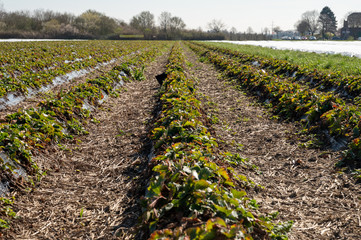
352, 26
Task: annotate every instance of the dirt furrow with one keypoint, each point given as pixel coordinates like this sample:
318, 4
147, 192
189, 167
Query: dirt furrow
300, 183
93, 187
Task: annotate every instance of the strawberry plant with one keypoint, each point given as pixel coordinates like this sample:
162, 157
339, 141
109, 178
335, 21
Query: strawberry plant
31, 65
194, 193
318, 111
348, 86
61, 116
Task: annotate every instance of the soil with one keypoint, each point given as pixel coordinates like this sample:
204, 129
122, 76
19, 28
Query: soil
93, 187
301, 184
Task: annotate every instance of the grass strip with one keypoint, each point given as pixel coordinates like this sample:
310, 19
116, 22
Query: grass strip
322, 61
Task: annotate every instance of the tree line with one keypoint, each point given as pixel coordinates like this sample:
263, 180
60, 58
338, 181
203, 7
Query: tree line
323, 23
95, 25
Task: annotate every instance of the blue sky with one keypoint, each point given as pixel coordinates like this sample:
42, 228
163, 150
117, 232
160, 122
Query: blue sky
240, 14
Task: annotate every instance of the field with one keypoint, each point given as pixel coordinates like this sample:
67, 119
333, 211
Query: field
329, 58
177, 140
346, 48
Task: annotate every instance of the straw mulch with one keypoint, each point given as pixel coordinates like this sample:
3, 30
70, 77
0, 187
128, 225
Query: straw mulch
300, 183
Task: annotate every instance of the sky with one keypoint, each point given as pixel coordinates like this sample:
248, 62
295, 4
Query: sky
240, 14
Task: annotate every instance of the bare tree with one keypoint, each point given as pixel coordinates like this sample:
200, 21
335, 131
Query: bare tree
65, 18
176, 24
233, 33
311, 18
20, 21
43, 15
249, 30
2, 15
144, 22
216, 26
233, 30
164, 21
170, 26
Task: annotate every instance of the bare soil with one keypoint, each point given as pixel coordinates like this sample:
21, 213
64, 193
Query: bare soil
302, 184
92, 189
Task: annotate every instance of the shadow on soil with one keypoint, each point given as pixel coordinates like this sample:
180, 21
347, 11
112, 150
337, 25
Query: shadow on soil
139, 174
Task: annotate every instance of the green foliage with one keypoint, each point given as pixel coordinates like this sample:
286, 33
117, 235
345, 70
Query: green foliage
6, 212
35, 64
81, 213
292, 101
138, 74
193, 193
328, 22
57, 118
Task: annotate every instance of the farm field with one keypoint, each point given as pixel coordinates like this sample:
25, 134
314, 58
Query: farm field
322, 61
177, 140
347, 48
37, 40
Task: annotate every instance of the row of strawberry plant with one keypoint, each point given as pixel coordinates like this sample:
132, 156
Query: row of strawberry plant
61, 117
319, 111
37, 64
19, 58
346, 85
195, 193
34, 128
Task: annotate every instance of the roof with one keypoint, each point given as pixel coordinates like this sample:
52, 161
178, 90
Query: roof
354, 20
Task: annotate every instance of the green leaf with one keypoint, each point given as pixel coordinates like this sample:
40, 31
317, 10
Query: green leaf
220, 221
209, 225
223, 210
229, 183
208, 236
205, 173
153, 226
81, 212
223, 173
155, 187
3, 224
356, 132
201, 184
238, 194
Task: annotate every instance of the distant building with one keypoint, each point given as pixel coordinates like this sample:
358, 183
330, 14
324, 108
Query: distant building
352, 26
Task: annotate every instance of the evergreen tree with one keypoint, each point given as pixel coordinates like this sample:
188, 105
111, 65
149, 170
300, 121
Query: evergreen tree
328, 22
